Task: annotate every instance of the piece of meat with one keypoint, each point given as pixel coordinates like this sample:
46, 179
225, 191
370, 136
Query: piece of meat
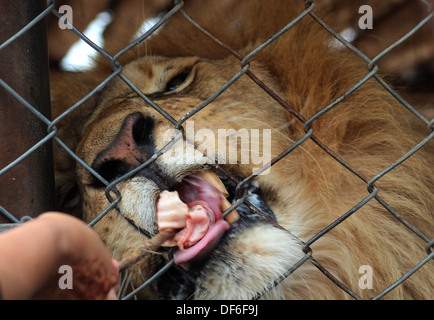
198, 221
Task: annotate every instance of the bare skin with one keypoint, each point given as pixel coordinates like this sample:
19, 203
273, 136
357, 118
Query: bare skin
32, 254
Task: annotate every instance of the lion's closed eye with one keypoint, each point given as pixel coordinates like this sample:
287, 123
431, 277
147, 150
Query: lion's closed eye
176, 82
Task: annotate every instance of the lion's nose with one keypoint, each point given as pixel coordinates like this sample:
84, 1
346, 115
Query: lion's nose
132, 146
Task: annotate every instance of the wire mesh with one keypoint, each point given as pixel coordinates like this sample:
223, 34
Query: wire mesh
114, 195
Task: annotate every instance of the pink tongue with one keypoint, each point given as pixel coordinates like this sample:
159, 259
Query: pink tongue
205, 245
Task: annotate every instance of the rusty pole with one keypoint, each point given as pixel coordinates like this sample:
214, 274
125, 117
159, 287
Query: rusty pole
28, 188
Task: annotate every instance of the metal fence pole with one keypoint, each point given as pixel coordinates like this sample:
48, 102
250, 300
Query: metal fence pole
27, 189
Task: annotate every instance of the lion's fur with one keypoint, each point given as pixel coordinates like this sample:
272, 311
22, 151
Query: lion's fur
308, 189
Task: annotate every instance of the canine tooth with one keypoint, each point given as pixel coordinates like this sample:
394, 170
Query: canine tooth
231, 217
214, 180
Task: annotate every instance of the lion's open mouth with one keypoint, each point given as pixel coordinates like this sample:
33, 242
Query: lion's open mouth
194, 209
205, 191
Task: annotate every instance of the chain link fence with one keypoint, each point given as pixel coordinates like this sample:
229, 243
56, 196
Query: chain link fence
15, 212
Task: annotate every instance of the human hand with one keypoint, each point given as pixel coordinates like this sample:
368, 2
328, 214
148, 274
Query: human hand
33, 253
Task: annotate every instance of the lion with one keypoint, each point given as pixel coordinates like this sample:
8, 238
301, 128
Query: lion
285, 248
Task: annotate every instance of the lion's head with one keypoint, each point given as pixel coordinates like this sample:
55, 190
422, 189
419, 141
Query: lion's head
124, 132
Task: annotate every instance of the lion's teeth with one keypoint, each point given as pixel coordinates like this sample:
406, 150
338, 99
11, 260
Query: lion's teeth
231, 217
214, 180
